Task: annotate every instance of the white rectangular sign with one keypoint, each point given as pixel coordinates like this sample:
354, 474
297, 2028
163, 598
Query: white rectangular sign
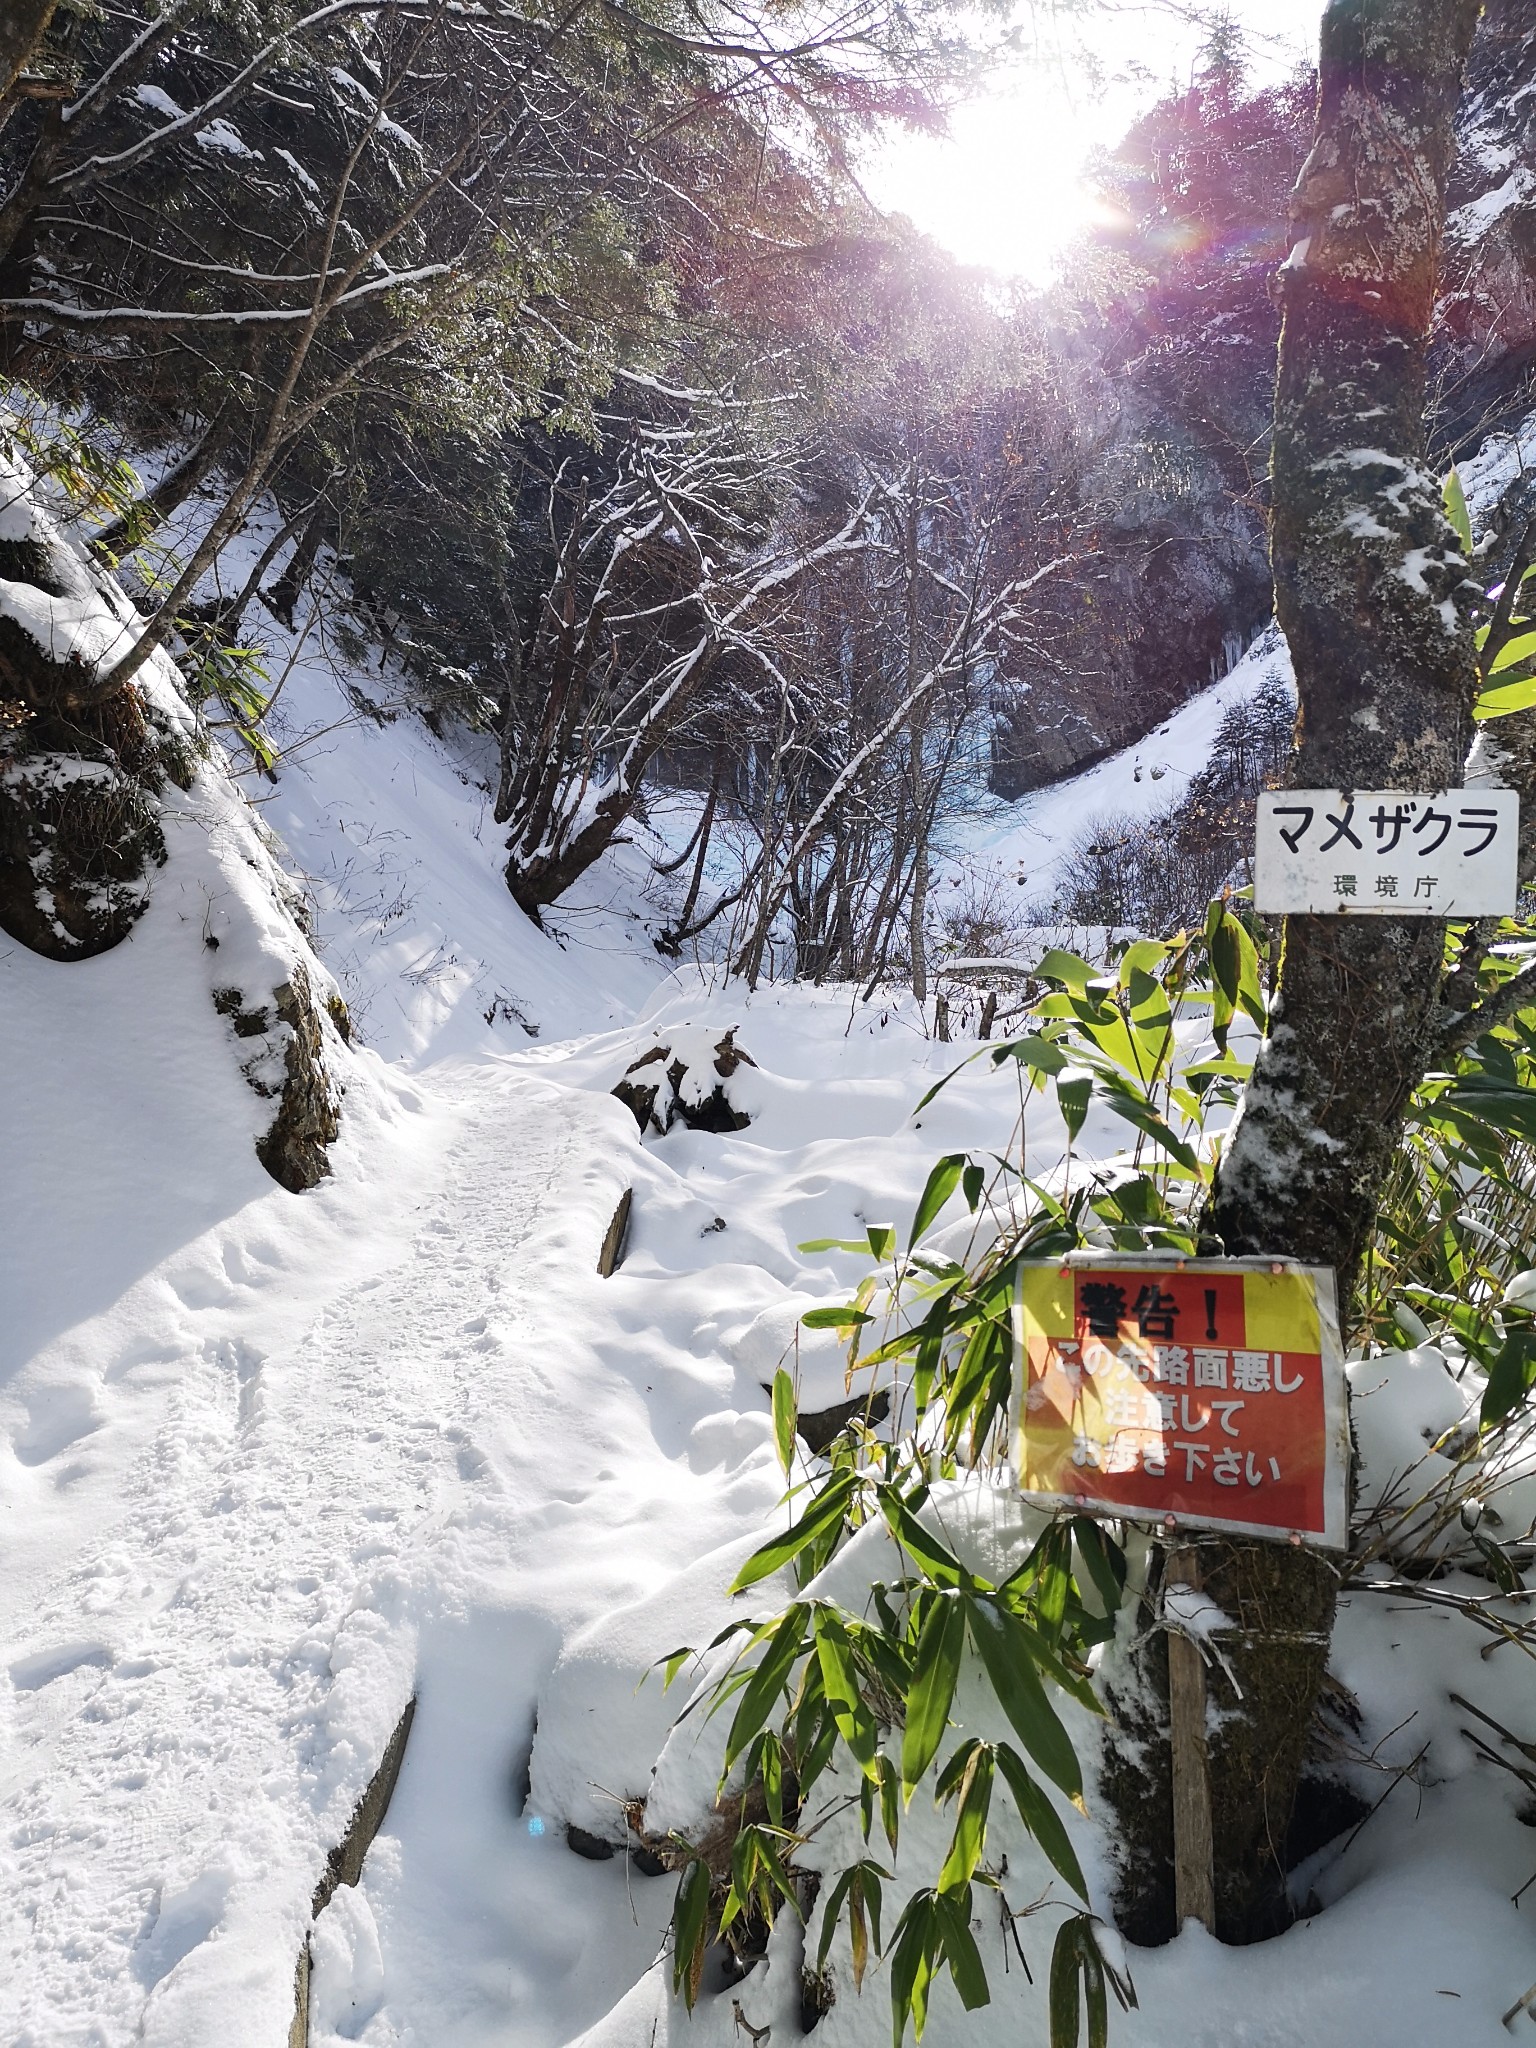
1387, 852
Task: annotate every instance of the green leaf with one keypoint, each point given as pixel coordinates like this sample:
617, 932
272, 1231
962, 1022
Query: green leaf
844, 1317
1504, 698
936, 1672
828, 1508
834, 1244
970, 1836
1105, 1561
784, 1410
743, 1869
1093, 1992
1141, 959
1006, 1650
830, 1911
1042, 1819
1073, 1090
1455, 500
972, 1181
953, 1915
839, 1675
1069, 969
941, 1184
913, 1953
1076, 1951
1510, 1378
770, 1768
1065, 1998
1519, 647
882, 1240
1040, 1055
818, 1754
1149, 1007
1493, 1102
766, 1683
1241, 968
1226, 957
773, 1863
1229, 1066
672, 1663
1051, 1600
690, 1918
951, 1777
1135, 1109
936, 1559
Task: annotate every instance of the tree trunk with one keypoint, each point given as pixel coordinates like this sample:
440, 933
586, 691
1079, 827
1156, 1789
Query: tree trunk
1367, 575
1368, 582
286, 591
175, 487
23, 24
917, 937
917, 915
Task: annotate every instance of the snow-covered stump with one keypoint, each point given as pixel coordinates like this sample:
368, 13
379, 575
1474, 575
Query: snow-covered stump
694, 1079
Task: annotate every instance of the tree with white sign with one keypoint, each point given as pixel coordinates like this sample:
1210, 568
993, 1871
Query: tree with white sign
1371, 588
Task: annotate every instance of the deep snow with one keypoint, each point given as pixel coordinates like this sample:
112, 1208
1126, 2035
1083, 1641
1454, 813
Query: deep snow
271, 1465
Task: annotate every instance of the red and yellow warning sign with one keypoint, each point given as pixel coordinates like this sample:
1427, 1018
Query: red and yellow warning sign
1211, 1391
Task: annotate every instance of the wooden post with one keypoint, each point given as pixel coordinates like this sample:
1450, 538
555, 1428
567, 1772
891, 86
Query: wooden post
1194, 1889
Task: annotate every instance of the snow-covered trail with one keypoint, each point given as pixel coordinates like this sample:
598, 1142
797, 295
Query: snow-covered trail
198, 1701
271, 1465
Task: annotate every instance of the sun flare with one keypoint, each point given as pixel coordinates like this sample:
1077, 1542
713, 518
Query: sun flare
1006, 188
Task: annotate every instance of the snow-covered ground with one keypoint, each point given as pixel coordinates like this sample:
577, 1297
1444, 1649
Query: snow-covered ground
272, 1465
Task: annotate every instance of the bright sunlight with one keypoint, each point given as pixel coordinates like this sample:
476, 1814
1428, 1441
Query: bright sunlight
1005, 189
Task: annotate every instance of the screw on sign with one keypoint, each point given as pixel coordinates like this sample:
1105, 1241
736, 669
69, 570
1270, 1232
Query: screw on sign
1209, 1393
1387, 852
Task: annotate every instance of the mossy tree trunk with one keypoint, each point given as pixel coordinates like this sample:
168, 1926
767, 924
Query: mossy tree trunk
1369, 584
23, 24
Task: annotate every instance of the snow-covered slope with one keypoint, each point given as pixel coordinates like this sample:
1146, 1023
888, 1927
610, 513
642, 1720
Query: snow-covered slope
271, 1465
1024, 841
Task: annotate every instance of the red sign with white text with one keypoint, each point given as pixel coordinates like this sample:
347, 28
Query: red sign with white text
1206, 1391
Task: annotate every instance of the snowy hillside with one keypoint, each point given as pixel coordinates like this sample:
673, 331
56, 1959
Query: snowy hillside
1025, 840
273, 1466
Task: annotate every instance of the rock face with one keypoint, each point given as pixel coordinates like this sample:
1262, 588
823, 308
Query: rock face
80, 772
687, 1081
84, 829
1486, 323
80, 832
78, 841
288, 1063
